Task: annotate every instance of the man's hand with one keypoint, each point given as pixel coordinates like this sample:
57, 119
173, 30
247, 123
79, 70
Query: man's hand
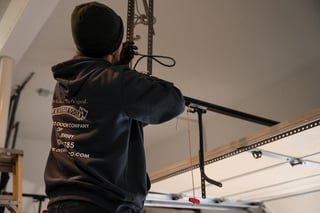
127, 53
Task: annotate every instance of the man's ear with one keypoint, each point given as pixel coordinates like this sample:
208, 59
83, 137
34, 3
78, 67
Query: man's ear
116, 55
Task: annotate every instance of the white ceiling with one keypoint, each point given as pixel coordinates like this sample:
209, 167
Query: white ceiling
3, 7
255, 56
229, 53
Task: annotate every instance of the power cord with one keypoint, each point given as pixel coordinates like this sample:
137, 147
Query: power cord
156, 58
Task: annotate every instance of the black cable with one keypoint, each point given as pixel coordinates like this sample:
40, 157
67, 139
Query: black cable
155, 58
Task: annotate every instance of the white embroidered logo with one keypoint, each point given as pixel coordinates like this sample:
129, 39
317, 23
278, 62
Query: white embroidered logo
79, 114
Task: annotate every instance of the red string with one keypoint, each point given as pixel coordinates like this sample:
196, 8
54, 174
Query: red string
193, 200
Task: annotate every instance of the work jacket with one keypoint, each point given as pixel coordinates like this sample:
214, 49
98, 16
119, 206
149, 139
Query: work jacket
98, 112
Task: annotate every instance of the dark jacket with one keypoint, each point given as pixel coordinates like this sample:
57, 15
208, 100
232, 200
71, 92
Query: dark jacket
98, 113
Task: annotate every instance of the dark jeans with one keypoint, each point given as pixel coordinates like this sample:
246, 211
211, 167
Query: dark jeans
73, 206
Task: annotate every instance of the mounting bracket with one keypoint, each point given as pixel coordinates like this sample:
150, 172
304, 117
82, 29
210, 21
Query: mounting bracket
293, 161
204, 177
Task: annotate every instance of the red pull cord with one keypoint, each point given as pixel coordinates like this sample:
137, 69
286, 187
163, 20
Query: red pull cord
193, 199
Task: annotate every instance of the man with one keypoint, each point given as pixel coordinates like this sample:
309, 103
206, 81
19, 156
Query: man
97, 161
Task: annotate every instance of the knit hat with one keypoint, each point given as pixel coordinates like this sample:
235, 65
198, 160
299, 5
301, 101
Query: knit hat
96, 29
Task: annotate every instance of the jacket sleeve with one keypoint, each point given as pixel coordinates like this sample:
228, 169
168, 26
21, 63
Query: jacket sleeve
149, 99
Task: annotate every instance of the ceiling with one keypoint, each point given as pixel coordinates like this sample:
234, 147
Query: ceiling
259, 57
228, 53
3, 7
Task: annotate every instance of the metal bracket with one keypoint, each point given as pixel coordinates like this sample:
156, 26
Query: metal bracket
204, 177
293, 161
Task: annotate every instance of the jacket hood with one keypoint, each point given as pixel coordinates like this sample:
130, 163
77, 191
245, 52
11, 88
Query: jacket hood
72, 74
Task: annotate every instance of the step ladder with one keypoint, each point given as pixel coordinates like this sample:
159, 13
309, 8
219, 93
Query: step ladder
11, 162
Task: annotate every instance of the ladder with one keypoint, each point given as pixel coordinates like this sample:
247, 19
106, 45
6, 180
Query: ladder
11, 161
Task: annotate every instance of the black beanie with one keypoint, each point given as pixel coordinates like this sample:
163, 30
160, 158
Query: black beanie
96, 29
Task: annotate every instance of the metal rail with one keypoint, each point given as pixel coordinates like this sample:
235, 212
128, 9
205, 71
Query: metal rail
229, 112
